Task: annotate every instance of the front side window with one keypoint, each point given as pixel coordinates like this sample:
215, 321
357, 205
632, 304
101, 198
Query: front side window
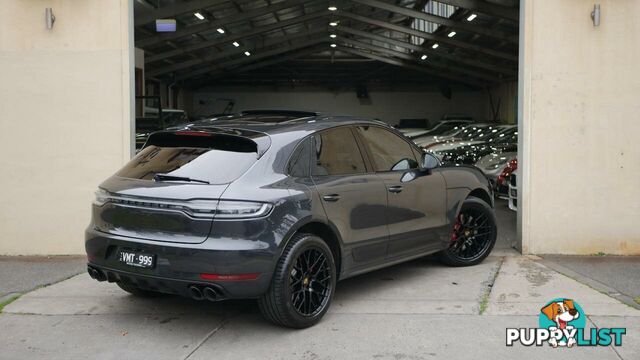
389, 151
336, 153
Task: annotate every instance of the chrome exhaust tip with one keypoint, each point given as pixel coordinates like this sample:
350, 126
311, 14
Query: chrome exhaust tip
210, 294
195, 292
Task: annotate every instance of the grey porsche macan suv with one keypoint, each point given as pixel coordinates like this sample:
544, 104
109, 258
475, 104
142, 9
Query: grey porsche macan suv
279, 206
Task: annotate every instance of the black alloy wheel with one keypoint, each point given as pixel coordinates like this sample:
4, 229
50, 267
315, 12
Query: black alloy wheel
474, 234
303, 283
310, 282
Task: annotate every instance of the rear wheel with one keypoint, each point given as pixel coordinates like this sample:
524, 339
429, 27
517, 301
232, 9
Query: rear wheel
303, 284
136, 291
474, 234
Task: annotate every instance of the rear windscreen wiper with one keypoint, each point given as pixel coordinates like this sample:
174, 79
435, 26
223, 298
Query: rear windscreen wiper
164, 177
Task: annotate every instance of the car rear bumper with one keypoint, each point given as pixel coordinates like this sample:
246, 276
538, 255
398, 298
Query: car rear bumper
178, 267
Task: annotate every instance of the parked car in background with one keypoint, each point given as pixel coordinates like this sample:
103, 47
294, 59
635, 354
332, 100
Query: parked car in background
513, 191
412, 125
501, 141
471, 136
279, 211
426, 140
493, 166
440, 128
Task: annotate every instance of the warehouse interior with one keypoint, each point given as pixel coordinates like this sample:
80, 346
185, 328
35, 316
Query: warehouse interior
383, 59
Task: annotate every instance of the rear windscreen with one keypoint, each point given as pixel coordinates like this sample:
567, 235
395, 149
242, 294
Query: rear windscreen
217, 159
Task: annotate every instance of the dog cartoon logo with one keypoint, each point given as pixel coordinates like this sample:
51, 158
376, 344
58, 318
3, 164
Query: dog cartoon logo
563, 317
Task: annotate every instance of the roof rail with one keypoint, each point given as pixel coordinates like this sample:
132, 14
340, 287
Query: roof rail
292, 113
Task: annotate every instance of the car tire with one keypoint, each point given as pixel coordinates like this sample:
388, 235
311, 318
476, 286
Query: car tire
136, 291
472, 208
301, 293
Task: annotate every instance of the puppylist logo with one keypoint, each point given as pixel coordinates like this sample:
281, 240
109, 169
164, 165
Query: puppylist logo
562, 324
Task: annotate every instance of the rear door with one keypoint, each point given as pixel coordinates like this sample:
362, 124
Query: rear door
416, 199
354, 198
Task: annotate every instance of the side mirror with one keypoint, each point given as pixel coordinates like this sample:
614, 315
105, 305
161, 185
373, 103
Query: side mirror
429, 161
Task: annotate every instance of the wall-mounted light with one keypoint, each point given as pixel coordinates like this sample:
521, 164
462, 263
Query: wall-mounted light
50, 18
595, 15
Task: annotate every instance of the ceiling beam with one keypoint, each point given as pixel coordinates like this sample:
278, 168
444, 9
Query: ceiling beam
219, 23
457, 59
258, 65
235, 51
505, 12
453, 24
220, 68
429, 36
408, 65
235, 37
171, 11
430, 63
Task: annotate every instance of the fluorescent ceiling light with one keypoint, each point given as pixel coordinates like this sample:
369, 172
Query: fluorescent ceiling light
333, 36
471, 17
199, 16
332, 8
236, 44
333, 45
452, 34
423, 57
247, 53
333, 23
220, 30
435, 46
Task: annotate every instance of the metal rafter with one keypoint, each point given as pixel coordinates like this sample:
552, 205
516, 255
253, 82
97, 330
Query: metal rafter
428, 36
484, 7
221, 55
220, 23
458, 59
219, 68
408, 65
235, 37
453, 24
431, 63
178, 8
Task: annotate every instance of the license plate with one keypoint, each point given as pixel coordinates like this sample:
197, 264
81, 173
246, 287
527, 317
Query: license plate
132, 258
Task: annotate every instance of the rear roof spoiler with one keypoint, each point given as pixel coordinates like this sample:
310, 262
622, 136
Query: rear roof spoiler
291, 113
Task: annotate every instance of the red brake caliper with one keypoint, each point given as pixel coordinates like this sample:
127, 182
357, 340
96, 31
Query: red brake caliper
456, 227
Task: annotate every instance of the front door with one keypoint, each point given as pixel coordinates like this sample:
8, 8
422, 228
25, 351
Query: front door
416, 198
354, 199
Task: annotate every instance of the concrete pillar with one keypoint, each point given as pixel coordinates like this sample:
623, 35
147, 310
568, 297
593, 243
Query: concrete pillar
65, 117
579, 110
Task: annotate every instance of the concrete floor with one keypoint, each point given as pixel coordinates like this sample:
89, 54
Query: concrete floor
417, 310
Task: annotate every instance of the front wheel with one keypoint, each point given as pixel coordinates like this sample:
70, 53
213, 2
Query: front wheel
303, 284
474, 234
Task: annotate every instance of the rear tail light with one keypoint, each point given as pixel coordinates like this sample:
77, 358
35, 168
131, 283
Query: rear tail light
199, 208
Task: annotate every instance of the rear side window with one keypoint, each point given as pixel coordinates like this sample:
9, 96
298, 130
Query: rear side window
389, 151
214, 158
300, 162
336, 153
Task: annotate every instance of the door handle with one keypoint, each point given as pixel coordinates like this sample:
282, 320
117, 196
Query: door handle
331, 197
395, 189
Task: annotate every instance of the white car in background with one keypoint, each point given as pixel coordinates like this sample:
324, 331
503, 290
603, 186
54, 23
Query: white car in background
513, 191
493, 166
440, 128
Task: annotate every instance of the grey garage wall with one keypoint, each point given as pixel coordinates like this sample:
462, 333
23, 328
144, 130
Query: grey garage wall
388, 106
